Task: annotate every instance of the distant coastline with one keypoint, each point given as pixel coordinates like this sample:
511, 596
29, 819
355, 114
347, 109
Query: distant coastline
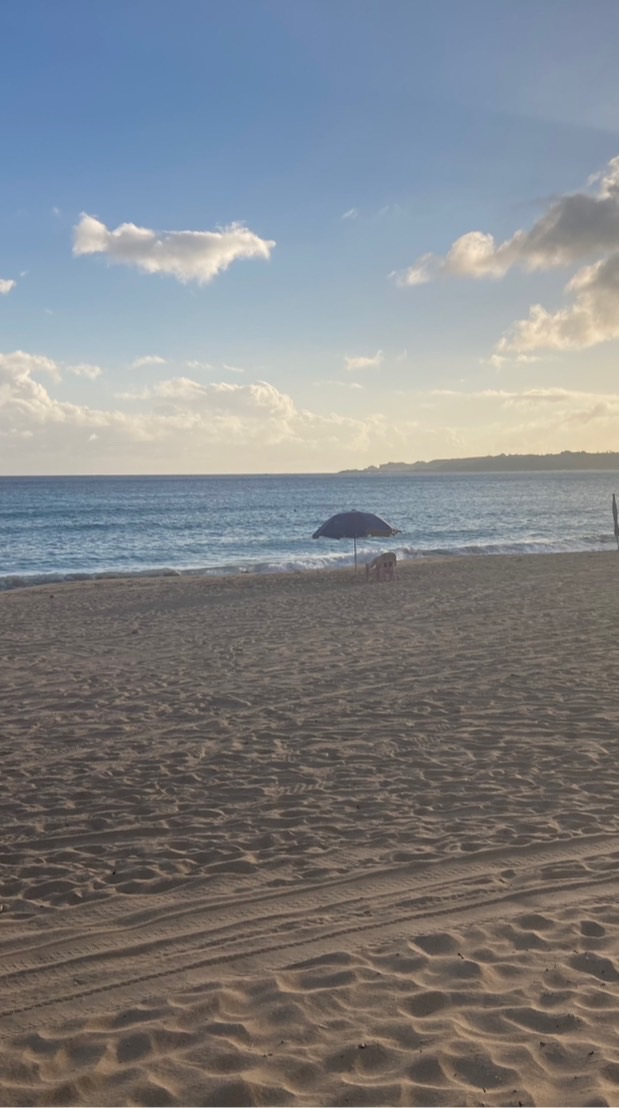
497, 463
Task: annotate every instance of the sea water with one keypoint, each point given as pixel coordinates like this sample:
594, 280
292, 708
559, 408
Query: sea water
64, 528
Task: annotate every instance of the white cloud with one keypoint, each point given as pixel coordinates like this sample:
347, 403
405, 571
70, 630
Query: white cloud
352, 213
176, 388
24, 402
418, 274
591, 319
146, 360
233, 368
20, 365
85, 370
364, 362
186, 255
6, 286
573, 227
218, 397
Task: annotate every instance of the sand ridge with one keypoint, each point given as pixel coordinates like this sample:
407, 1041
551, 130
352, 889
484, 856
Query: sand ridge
299, 840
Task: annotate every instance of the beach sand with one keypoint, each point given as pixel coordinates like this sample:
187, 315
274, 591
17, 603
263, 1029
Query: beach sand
302, 841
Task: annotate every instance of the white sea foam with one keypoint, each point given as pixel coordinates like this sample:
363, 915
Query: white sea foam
303, 563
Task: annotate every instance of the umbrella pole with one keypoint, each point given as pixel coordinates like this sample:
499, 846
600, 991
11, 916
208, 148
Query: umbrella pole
355, 546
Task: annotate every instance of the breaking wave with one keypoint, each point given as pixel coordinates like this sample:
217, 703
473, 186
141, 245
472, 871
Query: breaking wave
304, 562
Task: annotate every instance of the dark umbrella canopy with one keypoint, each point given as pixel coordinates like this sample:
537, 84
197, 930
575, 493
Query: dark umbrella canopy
355, 525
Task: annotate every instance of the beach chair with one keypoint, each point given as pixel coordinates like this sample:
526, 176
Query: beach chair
382, 568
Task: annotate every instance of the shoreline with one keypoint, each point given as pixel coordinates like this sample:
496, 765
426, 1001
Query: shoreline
16, 582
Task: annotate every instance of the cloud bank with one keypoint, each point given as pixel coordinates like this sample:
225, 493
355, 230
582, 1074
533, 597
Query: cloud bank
547, 418
181, 425
85, 370
175, 425
186, 255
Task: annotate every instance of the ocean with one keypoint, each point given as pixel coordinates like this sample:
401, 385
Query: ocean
72, 528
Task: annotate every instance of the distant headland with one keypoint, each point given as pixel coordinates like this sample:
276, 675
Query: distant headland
496, 463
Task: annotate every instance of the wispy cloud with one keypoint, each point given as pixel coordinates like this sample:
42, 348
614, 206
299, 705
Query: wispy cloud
146, 360
193, 364
338, 384
6, 286
85, 370
556, 412
384, 212
233, 368
186, 255
391, 210
373, 361
499, 361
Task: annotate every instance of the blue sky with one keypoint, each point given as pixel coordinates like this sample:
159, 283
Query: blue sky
350, 140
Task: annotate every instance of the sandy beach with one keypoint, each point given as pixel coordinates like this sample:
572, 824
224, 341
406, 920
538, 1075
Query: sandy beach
296, 840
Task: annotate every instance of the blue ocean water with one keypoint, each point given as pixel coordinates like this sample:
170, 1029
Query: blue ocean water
57, 528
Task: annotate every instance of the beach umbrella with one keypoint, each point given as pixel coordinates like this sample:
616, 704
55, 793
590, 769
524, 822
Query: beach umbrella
355, 525
616, 520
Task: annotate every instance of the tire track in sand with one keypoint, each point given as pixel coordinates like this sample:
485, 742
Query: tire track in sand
116, 952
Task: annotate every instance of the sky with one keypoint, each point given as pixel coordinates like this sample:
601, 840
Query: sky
257, 236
